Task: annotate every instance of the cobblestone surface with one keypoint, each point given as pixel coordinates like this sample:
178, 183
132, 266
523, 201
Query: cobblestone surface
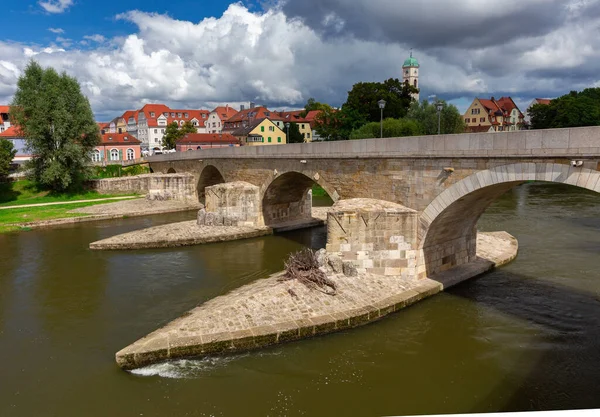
270, 311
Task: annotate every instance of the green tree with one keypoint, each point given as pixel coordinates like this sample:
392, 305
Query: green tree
571, 110
173, 133
312, 104
364, 98
336, 124
451, 121
7, 153
294, 136
58, 125
392, 128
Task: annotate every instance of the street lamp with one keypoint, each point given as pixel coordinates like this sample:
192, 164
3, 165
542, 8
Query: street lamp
287, 126
381, 106
439, 107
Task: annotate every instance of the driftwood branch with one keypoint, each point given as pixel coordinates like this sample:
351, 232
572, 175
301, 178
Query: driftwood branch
304, 267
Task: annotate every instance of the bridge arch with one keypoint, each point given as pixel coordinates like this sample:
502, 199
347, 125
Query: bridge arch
289, 198
447, 227
209, 176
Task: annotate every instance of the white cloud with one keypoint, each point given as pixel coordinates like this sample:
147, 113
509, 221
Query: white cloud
95, 38
56, 30
55, 6
271, 59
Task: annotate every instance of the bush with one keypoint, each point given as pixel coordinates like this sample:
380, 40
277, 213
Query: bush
391, 128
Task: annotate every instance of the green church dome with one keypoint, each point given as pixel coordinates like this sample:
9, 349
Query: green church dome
411, 62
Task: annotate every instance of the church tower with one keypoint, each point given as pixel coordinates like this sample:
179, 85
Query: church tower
410, 73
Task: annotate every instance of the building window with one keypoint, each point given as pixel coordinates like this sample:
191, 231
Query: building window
308, 135
269, 140
186, 115
262, 128
155, 130
110, 138
172, 114
166, 114
162, 130
475, 111
125, 138
214, 124
96, 156
114, 154
279, 140
181, 123
467, 120
151, 114
130, 154
178, 114
271, 128
415, 83
482, 119
204, 115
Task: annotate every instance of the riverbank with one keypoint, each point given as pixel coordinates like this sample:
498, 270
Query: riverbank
270, 311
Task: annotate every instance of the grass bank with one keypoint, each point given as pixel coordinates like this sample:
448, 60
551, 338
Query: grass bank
26, 192
10, 218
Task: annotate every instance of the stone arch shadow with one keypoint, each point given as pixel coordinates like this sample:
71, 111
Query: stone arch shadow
209, 176
288, 198
447, 230
171, 171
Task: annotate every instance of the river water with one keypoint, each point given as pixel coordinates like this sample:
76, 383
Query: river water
524, 337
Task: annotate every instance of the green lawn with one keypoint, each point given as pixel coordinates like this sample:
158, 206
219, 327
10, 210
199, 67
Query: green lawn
25, 192
12, 216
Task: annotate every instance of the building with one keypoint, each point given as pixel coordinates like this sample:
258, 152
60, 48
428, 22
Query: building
260, 132
217, 117
117, 147
545, 101
304, 123
410, 73
197, 141
246, 117
4, 118
493, 115
12, 134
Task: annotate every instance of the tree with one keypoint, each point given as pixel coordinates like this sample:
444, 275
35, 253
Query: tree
173, 133
294, 136
58, 125
7, 153
312, 105
451, 121
571, 110
364, 98
336, 124
392, 128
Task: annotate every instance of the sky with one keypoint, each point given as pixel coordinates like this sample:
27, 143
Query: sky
279, 53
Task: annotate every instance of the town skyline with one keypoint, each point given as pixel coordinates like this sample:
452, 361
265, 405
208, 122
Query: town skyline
131, 53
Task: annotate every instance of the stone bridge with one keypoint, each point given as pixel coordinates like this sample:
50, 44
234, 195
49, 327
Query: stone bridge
445, 182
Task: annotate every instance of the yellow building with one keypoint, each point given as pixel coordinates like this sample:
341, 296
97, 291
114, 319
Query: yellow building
260, 132
493, 115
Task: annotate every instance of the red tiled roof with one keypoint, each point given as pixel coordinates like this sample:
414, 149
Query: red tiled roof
258, 113
489, 104
11, 132
4, 109
545, 101
225, 112
130, 113
196, 138
119, 139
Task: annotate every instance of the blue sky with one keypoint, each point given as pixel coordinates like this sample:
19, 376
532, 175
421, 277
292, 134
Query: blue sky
200, 53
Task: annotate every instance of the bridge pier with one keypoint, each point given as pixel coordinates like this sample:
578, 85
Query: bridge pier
231, 204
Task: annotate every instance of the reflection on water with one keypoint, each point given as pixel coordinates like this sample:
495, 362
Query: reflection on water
525, 337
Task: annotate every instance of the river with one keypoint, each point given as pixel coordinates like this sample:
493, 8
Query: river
523, 337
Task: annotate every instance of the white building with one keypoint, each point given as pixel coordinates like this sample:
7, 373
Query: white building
216, 118
410, 73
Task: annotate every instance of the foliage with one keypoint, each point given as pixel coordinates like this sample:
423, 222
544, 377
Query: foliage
571, 110
312, 104
116, 170
364, 98
294, 136
7, 153
22, 192
58, 125
173, 133
392, 128
425, 113
336, 124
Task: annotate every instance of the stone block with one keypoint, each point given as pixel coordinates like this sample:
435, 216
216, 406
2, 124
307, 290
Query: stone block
201, 217
349, 269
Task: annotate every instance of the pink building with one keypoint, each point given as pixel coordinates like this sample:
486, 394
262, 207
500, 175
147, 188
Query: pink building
195, 141
117, 147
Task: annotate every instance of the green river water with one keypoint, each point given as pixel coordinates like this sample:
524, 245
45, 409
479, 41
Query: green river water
524, 337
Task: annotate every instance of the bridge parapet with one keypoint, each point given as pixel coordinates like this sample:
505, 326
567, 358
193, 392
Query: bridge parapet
572, 142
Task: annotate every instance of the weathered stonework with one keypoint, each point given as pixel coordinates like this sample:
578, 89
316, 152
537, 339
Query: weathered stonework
231, 204
156, 186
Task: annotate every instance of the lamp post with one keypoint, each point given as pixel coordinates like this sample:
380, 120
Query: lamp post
439, 107
381, 106
287, 126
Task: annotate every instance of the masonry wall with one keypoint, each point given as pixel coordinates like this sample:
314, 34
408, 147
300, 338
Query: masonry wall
155, 186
